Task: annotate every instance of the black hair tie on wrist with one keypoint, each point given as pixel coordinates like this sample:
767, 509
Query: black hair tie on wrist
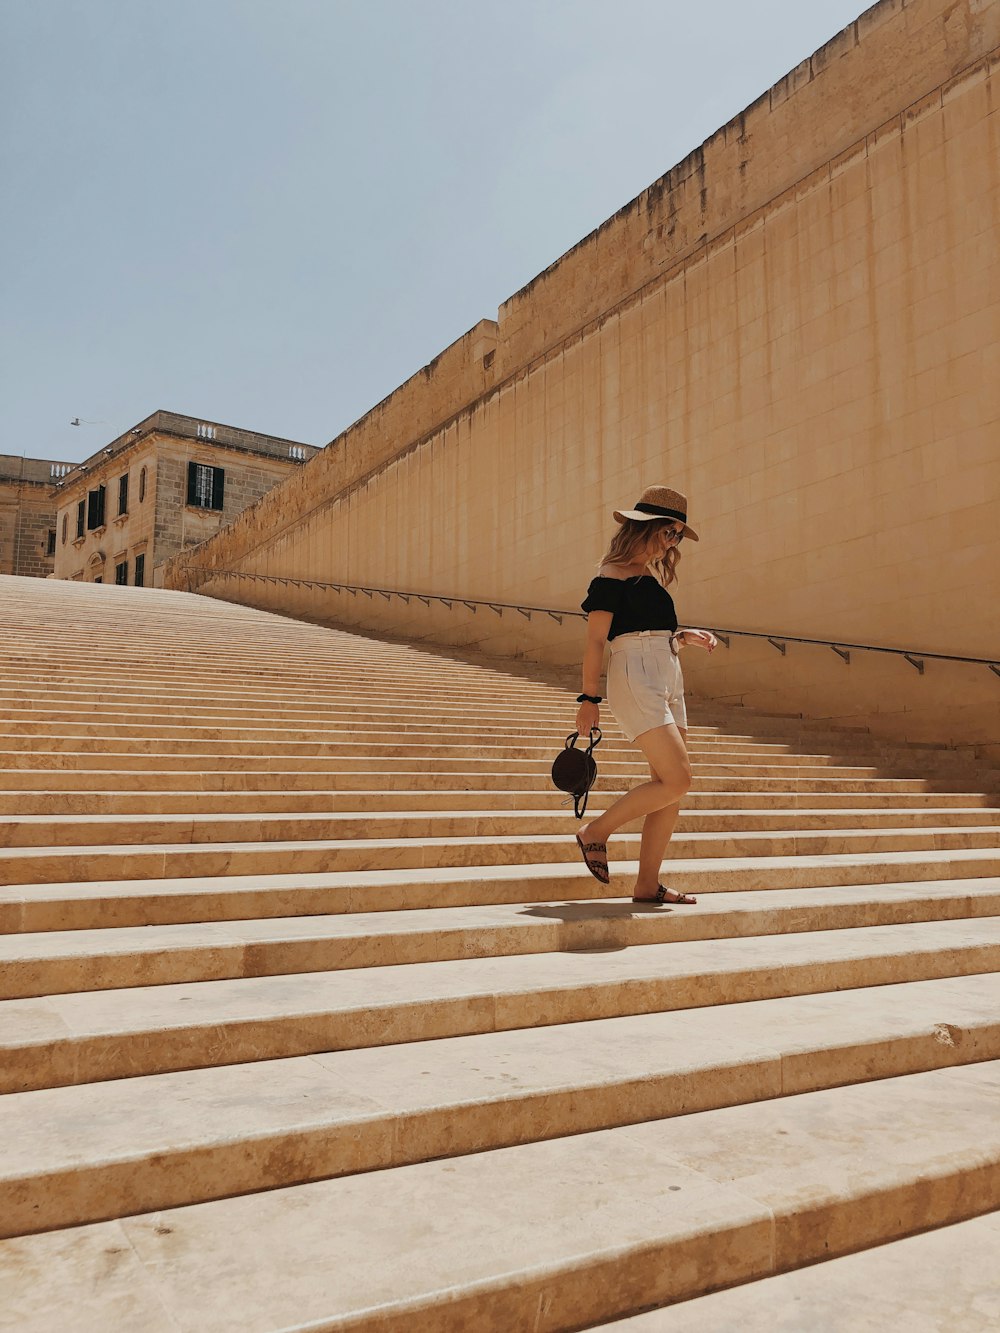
590, 698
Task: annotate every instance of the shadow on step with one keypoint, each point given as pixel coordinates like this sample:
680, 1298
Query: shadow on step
593, 927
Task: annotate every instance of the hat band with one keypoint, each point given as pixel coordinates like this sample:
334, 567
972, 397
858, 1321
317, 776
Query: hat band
660, 512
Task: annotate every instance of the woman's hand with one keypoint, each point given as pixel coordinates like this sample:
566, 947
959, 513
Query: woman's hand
587, 718
700, 638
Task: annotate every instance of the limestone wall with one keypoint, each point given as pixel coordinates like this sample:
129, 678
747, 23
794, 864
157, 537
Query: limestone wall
27, 513
800, 327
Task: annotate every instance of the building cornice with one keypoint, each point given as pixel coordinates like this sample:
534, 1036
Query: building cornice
172, 425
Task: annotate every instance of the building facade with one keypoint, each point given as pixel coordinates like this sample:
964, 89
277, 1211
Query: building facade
167, 484
28, 514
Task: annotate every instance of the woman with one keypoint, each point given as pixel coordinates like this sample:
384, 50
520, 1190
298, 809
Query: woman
629, 606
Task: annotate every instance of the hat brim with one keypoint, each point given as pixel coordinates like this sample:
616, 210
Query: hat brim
620, 515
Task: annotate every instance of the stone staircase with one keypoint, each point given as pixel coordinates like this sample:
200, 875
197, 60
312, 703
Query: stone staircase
311, 1017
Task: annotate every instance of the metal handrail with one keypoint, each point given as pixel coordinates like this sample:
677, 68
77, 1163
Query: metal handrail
915, 657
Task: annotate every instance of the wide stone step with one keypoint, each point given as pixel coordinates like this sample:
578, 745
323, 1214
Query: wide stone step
19, 693
218, 700
90, 1036
89, 712
348, 729
540, 742
353, 741
344, 744
319, 758
176, 688
322, 655
58, 962
940, 1281
200, 656
394, 686
120, 693
316, 655
93, 802
40, 704
355, 724
85, 777
419, 716
32, 865
77, 905
426, 713
720, 1197
80, 1154
52, 830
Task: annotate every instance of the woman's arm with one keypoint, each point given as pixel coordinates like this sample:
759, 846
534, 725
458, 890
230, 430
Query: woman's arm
598, 628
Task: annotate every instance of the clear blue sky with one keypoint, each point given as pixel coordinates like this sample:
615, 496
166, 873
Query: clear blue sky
270, 214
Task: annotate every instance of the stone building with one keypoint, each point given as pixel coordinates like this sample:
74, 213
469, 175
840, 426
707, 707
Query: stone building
168, 483
28, 514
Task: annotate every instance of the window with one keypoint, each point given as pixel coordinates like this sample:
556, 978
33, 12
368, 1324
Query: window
140, 571
142, 485
50, 545
95, 508
123, 494
80, 512
65, 528
98, 579
206, 485
121, 572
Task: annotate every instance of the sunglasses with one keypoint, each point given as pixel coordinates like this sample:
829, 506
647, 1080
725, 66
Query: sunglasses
677, 534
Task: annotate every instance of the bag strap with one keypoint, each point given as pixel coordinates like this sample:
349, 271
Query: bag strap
580, 801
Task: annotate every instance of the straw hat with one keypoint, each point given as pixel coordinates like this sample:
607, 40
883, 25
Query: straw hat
659, 502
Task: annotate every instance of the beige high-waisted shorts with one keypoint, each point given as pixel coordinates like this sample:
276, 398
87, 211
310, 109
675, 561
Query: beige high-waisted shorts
645, 684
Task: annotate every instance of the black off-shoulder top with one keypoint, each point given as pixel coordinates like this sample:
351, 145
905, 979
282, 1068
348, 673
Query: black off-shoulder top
636, 604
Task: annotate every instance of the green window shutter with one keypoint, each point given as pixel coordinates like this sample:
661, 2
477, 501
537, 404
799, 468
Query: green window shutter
218, 487
95, 508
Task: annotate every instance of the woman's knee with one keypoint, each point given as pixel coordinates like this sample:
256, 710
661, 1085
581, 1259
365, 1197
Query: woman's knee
678, 781
668, 792
664, 796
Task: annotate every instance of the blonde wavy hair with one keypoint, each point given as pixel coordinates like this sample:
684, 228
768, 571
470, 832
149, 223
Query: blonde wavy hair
631, 537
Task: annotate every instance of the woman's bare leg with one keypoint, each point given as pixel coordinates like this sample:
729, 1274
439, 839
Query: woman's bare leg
667, 756
657, 830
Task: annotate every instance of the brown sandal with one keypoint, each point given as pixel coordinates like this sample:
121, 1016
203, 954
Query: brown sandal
598, 869
663, 895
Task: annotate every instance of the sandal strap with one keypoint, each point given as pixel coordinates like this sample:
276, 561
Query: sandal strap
662, 895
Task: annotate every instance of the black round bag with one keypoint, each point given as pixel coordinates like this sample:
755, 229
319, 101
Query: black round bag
575, 770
